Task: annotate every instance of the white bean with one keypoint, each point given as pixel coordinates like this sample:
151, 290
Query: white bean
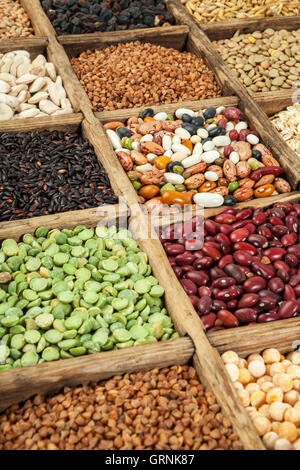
241, 125
151, 157
209, 145
229, 126
160, 116
211, 126
211, 176
220, 109
190, 161
234, 157
181, 148
121, 149
144, 168
202, 133
167, 142
176, 140
178, 156
180, 111
147, 138
221, 140
173, 178
208, 199
168, 153
210, 157
198, 149
252, 139
114, 138
182, 133
136, 146
195, 139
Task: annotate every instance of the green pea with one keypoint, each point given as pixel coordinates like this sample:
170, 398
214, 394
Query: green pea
126, 344
137, 185
110, 265
90, 297
83, 274
51, 353
32, 336
167, 187
67, 344
122, 335
41, 232
86, 234
33, 264
119, 304
142, 286
17, 341
78, 229
138, 332
2, 295
233, 186
61, 238
38, 284
66, 297
78, 351
157, 291
254, 163
41, 345
10, 320
15, 330
77, 251
73, 323
29, 358
61, 258
10, 247
53, 336
44, 320
70, 334
100, 337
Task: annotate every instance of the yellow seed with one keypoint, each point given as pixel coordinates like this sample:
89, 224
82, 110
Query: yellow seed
273, 52
258, 398
251, 39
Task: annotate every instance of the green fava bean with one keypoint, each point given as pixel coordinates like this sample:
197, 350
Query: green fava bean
29, 358
50, 353
38, 284
66, 297
73, 323
53, 336
119, 304
90, 297
32, 336
10, 247
100, 336
121, 335
142, 286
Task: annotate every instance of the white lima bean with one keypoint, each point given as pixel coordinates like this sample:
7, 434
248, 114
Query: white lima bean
147, 138
160, 116
252, 139
114, 138
211, 156
166, 142
209, 145
181, 148
173, 178
190, 161
208, 199
211, 176
180, 111
182, 133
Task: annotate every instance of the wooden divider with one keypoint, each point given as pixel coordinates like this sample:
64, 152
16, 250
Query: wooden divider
198, 40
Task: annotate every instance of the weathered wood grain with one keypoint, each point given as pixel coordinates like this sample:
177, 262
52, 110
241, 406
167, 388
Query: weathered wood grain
64, 123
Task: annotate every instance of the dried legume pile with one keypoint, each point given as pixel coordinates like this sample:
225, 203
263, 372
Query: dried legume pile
48, 172
90, 16
208, 157
66, 293
268, 385
264, 60
30, 88
247, 270
136, 74
287, 122
224, 10
158, 409
14, 21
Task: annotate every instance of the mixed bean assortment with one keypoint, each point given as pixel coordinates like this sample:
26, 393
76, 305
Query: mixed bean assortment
264, 60
143, 74
246, 271
90, 16
65, 293
268, 385
227, 10
46, 172
14, 21
30, 88
209, 157
287, 122
166, 409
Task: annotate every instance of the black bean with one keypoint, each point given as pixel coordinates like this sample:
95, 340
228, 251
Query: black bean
48, 172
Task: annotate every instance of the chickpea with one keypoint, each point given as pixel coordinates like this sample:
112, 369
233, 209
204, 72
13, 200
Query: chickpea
287, 431
292, 415
257, 399
277, 410
262, 425
291, 397
284, 381
257, 368
271, 355
269, 439
230, 357
282, 444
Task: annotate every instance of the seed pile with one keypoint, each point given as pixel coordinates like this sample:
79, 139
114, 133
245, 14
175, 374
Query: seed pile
264, 60
209, 157
30, 88
225, 10
166, 409
268, 385
247, 269
46, 172
90, 16
287, 122
14, 21
73, 292
136, 74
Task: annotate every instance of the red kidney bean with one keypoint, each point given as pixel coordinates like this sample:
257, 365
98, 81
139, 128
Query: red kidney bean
243, 258
229, 210
246, 315
288, 309
281, 265
276, 285
296, 291
225, 218
202, 263
189, 286
291, 260
217, 305
268, 293
248, 300
279, 230
275, 244
290, 293
254, 284
294, 250
245, 269
185, 258
212, 252
244, 246
258, 240
226, 229
276, 212
289, 239
232, 304
274, 254
211, 226
266, 317
266, 303
224, 282
204, 291
209, 320
259, 218
212, 243
293, 271
221, 237
291, 223
200, 278
244, 214
295, 280
284, 275
187, 268
194, 299
287, 206
193, 244
217, 272
204, 305
227, 318
240, 224
236, 272
228, 294
172, 260
276, 221
251, 228
265, 270
178, 271
225, 248
227, 259
265, 232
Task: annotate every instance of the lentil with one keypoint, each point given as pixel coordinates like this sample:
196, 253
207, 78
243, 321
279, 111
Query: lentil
48, 172
14, 21
264, 60
48, 314
246, 270
167, 168
166, 409
144, 74
225, 10
287, 122
270, 393
90, 16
